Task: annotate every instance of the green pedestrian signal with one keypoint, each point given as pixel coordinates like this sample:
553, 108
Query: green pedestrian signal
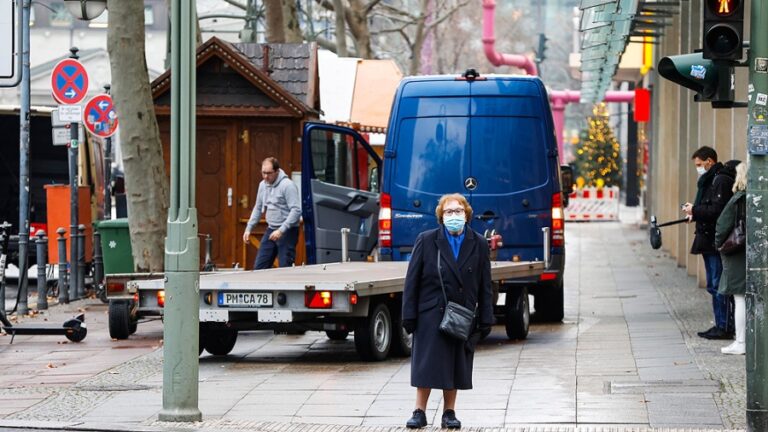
712, 81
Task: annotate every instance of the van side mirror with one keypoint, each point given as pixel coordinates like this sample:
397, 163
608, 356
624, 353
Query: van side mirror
566, 179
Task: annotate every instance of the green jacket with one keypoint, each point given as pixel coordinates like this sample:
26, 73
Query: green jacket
734, 277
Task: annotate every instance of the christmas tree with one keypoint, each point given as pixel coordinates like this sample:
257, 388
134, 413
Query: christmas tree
598, 152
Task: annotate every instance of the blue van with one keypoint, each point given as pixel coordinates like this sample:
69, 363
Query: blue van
492, 139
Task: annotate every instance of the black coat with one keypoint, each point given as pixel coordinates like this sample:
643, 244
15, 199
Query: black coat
439, 361
715, 192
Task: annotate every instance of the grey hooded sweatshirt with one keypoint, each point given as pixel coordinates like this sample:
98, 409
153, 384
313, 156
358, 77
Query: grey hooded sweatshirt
280, 201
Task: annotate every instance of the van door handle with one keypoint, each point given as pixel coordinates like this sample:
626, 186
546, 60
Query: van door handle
357, 201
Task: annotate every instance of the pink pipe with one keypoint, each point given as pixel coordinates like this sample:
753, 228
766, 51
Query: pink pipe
560, 98
489, 40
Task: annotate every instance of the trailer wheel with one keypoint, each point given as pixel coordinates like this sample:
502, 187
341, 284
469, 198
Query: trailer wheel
517, 313
402, 342
373, 337
548, 303
133, 327
119, 319
220, 342
337, 335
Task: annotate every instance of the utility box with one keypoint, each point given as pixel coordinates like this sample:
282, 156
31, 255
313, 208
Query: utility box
116, 246
58, 206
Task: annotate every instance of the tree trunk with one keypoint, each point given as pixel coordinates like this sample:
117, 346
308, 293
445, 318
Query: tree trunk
146, 183
357, 19
341, 36
275, 30
418, 40
292, 30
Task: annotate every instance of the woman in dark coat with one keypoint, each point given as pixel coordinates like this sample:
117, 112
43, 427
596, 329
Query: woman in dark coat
439, 361
734, 278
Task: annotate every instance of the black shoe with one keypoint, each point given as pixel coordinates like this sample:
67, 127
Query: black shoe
449, 420
706, 332
717, 334
417, 421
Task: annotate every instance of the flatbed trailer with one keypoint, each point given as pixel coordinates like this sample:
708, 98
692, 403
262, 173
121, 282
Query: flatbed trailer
338, 298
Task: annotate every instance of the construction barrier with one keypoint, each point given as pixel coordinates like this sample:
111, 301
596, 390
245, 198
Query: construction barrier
593, 204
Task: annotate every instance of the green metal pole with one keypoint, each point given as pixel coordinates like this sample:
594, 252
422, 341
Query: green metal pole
182, 247
757, 215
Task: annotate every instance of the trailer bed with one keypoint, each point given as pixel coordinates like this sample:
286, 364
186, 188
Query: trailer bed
365, 278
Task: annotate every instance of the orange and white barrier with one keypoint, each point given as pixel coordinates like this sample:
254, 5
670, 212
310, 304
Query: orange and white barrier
593, 204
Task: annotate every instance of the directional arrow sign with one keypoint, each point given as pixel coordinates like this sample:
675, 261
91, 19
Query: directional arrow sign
69, 82
99, 116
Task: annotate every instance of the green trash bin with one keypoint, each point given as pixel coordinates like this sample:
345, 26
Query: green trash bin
115, 246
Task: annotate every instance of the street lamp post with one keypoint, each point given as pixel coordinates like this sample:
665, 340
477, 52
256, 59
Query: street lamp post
24, 160
182, 247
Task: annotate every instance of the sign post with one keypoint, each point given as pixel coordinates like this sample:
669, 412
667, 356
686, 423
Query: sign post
69, 84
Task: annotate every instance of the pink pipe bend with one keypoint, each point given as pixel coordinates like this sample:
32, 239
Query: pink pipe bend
489, 40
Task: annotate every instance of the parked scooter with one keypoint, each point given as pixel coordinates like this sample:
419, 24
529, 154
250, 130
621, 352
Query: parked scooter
74, 329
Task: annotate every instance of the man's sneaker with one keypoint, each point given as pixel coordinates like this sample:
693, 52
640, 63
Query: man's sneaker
718, 334
736, 348
418, 420
449, 420
706, 332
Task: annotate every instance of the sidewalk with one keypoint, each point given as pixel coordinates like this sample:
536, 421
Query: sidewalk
626, 358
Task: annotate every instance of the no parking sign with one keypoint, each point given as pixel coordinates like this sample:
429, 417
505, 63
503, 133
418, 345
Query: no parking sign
99, 116
69, 82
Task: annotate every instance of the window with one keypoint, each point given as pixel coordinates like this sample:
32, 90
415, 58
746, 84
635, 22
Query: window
342, 160
149, 16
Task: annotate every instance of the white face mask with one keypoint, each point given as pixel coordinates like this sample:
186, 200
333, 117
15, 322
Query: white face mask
701, 170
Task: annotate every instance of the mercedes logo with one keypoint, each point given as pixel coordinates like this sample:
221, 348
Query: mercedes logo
470, 183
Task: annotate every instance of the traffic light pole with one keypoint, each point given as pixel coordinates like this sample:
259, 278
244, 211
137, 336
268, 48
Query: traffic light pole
757, 233
182, 247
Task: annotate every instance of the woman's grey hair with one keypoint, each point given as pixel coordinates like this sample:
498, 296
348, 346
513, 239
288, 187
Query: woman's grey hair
741, 177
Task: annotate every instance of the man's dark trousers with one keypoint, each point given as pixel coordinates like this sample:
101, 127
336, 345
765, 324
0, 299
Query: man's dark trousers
284, 249
721, 304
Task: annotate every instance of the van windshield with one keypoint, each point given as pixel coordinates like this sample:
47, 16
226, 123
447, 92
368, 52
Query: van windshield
439, 159
508, 153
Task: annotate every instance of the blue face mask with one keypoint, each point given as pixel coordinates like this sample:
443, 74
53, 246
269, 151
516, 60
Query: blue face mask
454, 223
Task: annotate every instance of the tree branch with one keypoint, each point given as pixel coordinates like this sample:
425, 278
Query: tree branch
447, 15
326, 4
237, 4
370, 6
398, 11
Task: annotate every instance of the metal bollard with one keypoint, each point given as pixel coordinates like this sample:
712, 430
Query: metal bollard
345, 244
98, 262
63, 285
81, 261
42, 264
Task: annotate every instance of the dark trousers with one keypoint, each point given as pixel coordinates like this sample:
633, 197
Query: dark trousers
722, 305
284, 249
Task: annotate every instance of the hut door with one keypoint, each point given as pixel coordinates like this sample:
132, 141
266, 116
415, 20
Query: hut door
215, 190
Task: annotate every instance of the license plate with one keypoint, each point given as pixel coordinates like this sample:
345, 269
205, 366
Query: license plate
246, 300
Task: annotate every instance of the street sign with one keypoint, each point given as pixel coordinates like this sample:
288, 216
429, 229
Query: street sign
10, 43
62, 136
69, 82
100, 117
70, 113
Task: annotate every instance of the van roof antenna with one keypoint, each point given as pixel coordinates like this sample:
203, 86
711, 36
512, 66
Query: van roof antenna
470, 75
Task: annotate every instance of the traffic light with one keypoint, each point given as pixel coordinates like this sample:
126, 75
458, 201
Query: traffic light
712, 81
723, 29
540, 57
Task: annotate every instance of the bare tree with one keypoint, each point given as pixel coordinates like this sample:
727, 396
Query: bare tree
146, 183
274, 26
341, 34
291, 25
356, 14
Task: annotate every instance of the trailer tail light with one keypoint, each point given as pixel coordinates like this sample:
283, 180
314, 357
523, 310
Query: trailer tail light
548, 276
318, 299
115, 287
385, 221
136, 297
161, 298
353, 299
558, 220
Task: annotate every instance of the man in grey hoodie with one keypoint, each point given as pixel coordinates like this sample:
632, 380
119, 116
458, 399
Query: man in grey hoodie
278, 197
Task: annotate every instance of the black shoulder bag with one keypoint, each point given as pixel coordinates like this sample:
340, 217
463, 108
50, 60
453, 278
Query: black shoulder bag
457, 319
737, 239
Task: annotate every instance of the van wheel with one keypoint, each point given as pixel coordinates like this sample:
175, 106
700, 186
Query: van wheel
373, 336
402, 343
517, 313
337, 335
119, 319
548, 303
220, 342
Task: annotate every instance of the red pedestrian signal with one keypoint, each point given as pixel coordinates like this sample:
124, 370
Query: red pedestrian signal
723, 29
